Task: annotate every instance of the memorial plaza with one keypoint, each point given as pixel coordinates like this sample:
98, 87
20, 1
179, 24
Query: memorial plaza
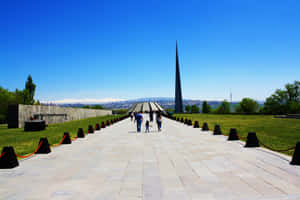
180, 162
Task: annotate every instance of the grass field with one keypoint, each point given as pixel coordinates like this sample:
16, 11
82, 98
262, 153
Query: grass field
277, 133
27, 142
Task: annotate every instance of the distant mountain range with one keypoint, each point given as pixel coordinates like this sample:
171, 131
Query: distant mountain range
165, 102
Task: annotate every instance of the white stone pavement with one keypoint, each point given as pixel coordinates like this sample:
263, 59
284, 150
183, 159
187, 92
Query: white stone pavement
178, 163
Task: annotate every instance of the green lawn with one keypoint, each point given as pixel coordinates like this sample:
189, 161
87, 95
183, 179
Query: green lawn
277, 133
26, 142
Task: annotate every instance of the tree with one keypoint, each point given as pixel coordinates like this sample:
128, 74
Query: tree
294, 107
37, 102
25, 96
93, 107
188, 108
120, 111
224, 108
16, 97
293, 91
247, 106
6, 98
97, 107
284, 101
195, 109
30, 87
205, 107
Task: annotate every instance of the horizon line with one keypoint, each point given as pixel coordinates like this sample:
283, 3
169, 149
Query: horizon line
115, 100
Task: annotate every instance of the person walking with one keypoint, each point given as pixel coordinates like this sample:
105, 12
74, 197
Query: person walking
131, 116
147, 126
139, 120
134, 114
158, 121
151, 116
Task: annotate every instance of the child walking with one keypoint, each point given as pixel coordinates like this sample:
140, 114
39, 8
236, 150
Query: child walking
158, 121
147, 126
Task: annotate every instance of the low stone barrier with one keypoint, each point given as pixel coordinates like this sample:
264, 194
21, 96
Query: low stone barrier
205, 127
66, 138
97, 127
196, 124
217, 130
233, 134
90, 129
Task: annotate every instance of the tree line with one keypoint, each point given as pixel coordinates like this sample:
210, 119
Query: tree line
93, 107
114, 111
283, 101
25, 96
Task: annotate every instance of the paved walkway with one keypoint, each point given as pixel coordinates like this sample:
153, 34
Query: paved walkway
178, 163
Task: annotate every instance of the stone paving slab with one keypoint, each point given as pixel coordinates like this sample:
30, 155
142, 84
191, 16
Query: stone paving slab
179, 162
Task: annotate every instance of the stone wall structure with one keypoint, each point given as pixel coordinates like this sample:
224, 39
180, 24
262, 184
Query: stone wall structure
18, 114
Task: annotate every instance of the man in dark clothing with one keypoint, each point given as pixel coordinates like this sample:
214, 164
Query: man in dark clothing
151, 116
134, 114
139, 120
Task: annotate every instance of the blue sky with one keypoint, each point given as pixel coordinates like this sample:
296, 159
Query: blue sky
126, 49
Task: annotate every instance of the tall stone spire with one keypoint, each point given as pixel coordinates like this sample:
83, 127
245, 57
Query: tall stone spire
178, 95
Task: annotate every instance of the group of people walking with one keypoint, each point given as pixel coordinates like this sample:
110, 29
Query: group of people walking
138, 119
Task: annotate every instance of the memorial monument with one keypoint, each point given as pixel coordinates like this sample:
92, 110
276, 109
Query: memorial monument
178, 95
